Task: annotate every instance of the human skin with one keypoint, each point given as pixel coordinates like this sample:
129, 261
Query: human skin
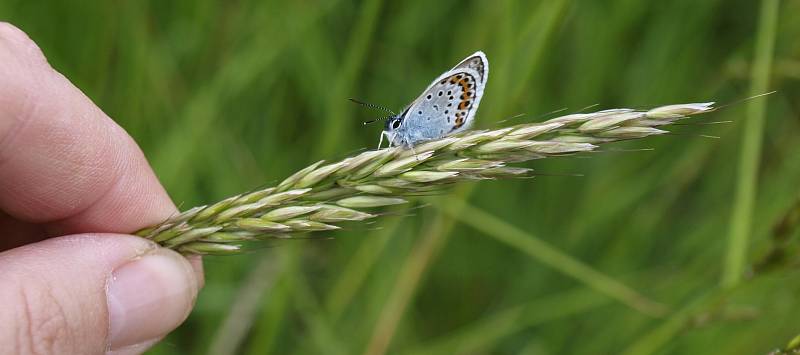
72, 184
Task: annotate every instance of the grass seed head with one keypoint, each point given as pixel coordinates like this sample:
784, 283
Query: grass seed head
319, 196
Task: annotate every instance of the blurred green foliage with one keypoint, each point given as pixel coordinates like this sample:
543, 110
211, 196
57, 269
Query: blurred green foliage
227, 96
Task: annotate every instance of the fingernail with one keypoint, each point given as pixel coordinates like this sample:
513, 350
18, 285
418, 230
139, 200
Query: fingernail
149, 297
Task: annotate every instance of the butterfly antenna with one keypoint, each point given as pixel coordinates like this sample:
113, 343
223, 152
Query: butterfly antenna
375, 120
374, 106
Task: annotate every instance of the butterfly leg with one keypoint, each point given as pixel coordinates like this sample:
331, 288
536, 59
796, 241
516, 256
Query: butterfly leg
406, 143
380, 142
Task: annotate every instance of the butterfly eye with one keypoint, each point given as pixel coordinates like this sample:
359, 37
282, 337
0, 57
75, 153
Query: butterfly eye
396, 124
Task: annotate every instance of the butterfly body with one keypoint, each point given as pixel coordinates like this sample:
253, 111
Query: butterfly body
446, 107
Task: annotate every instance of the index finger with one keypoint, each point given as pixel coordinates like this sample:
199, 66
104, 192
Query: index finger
63, 162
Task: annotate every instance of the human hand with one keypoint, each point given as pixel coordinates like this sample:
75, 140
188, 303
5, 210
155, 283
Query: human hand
71, 180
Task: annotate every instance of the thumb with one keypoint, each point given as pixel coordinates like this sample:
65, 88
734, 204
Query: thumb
92, 293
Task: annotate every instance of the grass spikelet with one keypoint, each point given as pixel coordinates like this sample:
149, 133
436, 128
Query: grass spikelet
319, 197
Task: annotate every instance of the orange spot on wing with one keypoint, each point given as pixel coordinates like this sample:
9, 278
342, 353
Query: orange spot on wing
459, 122
466, 95
464, 83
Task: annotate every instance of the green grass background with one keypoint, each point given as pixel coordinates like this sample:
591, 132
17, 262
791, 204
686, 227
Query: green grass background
227, 96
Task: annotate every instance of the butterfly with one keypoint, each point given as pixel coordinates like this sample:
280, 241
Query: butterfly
446, 107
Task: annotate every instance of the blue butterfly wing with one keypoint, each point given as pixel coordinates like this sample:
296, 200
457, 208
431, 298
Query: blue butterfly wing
449, 104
